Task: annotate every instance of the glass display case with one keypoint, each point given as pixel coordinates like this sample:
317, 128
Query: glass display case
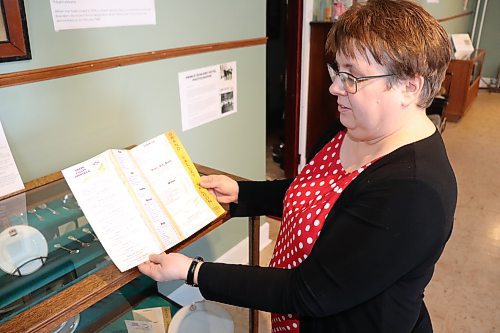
55, 275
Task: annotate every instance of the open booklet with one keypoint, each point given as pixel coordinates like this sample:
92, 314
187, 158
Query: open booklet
143, 200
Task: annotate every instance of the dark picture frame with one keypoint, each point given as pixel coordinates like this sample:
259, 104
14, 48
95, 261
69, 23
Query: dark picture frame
16, 45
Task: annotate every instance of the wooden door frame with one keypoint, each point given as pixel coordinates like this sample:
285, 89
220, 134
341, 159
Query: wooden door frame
291, 157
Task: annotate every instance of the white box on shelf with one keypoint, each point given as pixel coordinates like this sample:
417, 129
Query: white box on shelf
462, 46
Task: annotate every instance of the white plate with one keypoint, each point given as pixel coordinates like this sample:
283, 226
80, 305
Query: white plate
20, 245
202, 316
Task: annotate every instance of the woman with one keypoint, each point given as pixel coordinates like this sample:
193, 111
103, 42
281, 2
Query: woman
364, 223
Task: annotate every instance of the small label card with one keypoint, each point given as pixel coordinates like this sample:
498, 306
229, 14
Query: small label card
136, 326
159, 318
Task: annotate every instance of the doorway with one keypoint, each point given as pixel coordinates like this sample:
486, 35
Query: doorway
283, 58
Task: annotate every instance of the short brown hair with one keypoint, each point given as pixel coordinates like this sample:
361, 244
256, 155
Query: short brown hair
401, 36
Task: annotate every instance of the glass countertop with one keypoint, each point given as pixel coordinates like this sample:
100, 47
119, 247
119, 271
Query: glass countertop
46, 245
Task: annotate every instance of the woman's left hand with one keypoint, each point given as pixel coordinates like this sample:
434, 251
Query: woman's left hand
166, 267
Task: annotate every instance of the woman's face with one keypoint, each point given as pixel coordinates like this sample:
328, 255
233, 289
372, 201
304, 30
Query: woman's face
375, 110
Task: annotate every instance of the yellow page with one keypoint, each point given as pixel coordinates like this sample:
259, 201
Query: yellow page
111, 211
173, 177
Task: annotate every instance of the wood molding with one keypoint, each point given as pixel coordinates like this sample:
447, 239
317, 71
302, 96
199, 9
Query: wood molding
55, 72
455, 16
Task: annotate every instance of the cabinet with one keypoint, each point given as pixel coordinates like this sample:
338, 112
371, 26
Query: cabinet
67, 283
465, 76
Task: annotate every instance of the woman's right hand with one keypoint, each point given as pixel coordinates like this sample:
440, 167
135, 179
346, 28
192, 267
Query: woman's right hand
223, 188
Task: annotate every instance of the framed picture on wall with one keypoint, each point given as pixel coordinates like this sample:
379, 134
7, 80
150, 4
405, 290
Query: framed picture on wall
14, 41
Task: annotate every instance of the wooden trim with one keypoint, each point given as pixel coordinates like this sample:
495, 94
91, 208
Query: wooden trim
55, 72
455, 16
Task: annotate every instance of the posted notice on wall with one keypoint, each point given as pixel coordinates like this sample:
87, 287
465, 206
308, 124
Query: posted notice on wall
82, 14
10, 179
207, 94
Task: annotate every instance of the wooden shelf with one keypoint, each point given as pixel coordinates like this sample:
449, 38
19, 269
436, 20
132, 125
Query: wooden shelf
465, 76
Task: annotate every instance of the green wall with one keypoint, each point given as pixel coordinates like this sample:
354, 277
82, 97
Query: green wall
448, 8
53, 124
490, 38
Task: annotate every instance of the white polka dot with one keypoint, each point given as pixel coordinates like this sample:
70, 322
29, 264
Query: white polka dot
307, 228
312, 162
304, 185
289, 315
318, 175
327, 205
325, 157
322, 167
319, 197
299, 232
340, 136
308, 193
308, 216
289, 266
337, 145
329, 148
296, 186
309, 240
313, 184
322, 183
291, 195
316, 223
300, 260
294, 325
317, 192
305, 256
308, 171
300, 220
302, 202
301, 245
334, 172
318, 210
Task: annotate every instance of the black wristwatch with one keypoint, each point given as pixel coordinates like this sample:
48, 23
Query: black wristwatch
192, 268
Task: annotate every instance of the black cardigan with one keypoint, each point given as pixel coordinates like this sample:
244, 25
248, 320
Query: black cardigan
376, 252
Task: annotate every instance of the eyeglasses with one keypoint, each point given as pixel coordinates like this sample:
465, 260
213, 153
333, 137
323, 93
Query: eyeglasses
349, 81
